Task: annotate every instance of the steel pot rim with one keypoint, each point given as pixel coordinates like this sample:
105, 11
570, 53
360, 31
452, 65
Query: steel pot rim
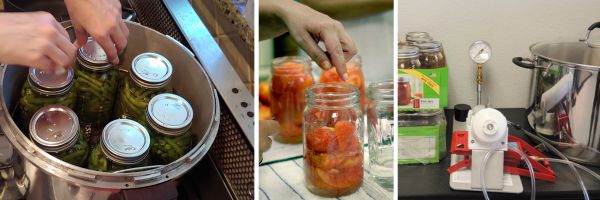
563, 63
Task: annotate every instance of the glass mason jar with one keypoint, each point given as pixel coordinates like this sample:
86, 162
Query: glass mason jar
431, 56
380, 122
333, 142
96, 82
124, 144
290, 76
169, 118
416, 37
355, 77
45, 88
55, 129
422, 125
150, 75
404, 90
408, 57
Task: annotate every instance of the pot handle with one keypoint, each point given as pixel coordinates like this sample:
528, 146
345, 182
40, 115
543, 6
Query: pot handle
520, 61
587, 37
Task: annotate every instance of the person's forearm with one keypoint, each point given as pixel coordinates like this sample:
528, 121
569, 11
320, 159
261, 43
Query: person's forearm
271, 23
345, 9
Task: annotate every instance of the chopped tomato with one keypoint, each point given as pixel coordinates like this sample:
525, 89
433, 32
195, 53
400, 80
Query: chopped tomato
341, 178
264, 112
322, 140
264, 93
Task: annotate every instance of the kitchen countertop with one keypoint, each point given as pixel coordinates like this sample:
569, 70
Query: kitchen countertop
432, 181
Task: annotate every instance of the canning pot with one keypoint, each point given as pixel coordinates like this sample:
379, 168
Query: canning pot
565, 101
35, 174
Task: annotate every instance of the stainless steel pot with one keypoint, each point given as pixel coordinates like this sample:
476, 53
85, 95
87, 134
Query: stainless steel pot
41, 176
565, 106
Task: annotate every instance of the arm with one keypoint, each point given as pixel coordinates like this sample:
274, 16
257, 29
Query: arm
309, 27
35, 39
346, 9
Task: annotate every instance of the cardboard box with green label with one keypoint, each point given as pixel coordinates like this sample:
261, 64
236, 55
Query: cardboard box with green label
422, 89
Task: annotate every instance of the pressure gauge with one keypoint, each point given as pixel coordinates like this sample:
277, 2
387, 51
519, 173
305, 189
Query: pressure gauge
480, 52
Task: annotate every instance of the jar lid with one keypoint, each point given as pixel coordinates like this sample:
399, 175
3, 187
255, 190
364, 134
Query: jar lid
92, 56
54, 128
169, 114
429, 47
125, 141
408, 52
418, 37
151, 70
49, 83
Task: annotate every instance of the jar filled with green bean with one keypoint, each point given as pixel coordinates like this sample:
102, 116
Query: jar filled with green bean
150, 75
124, 144
55, 129
45, 88
169, 118
96, 82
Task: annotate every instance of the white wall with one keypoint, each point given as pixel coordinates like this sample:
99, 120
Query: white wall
510, 26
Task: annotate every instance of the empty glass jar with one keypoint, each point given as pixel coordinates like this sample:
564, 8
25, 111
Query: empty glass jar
408, 57
333, 142
380, 122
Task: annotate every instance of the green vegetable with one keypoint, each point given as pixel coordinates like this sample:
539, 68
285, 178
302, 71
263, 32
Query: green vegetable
97, 160
133, 99
96, 95
166, 149
31, 101
77, 154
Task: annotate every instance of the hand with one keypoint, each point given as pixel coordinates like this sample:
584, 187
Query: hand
35, 39
102, 20
309, 27
266, 128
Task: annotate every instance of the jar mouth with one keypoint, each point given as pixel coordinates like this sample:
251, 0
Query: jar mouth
429, 47
151, 70
169, 114
92, 56
290, 65
333, 95
125, 141
382, 91
408, 52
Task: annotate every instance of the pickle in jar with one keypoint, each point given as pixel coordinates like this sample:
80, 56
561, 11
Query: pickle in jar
55, 129
45, 88
149, 76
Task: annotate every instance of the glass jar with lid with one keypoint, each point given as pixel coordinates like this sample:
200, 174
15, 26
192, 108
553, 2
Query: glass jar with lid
421, 136
169, 118
45, 88
431, 56
290, 76
404, 90
96, 82
333, 142
55, 129
408, 57
416, 37
380, 123
150, 75
124, 144
355, 77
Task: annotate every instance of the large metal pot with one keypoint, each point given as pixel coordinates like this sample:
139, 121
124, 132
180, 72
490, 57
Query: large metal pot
565, 106
42, 176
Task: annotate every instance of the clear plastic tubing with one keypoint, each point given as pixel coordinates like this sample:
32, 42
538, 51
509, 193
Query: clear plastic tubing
523, 157
588, 170
549, 146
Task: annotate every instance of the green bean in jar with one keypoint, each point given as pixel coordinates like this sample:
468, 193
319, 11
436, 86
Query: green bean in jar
150, 75
169, 118
96, 82
124, 144
55, 129
45, 88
